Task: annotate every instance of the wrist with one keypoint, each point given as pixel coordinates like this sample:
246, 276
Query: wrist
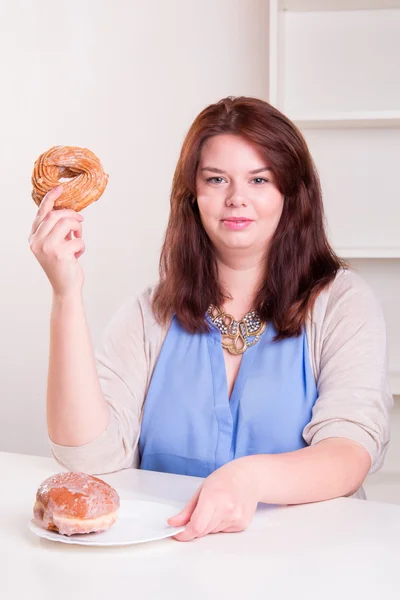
65, 300
256, 469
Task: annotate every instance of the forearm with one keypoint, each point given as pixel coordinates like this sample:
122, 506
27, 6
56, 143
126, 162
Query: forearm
332, 468
76, 410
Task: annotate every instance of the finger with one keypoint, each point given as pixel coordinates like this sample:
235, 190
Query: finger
183, 517
234, 529
198, 525
221, 526
49, 199
53, 217
76, 247
46, 206
231, 525
71, 248
61, 230
44, 226
74, 234
217, 523
80, 252
235, 525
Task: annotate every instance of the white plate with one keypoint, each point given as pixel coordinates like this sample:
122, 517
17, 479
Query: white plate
138, 521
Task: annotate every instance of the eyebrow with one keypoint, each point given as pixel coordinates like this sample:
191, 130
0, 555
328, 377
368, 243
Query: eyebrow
215, 170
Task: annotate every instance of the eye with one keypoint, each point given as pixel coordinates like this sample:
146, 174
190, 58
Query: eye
213, 179
218, 180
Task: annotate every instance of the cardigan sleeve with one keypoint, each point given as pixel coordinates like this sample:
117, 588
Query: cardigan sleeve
123, 364
354, 397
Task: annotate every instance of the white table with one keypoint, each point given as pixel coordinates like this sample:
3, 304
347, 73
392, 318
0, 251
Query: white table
339, 549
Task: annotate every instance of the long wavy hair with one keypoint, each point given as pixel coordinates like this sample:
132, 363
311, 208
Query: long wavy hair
299, 263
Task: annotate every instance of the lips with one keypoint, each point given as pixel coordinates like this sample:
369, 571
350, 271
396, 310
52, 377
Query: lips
236, 223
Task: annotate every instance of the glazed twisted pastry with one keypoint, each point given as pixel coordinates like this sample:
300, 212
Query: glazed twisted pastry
87, 177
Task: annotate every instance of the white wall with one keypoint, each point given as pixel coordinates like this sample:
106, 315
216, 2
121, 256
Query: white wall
124, 78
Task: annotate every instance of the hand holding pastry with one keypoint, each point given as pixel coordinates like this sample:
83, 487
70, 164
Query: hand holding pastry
56, 241
56, 235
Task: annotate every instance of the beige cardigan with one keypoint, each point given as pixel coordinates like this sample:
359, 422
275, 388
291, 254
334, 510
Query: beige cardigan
347, 344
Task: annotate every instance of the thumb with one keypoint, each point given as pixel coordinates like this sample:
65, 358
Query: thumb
184, 516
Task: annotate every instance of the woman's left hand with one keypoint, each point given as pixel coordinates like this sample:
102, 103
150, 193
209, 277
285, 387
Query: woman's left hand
226, 501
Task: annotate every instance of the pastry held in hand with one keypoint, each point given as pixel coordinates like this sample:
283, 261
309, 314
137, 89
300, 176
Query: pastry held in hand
72, 503
87, 179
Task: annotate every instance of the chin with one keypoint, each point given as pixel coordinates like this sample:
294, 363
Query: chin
233, 240
236, 243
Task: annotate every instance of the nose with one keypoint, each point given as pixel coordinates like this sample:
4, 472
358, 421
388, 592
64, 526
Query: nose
236, 197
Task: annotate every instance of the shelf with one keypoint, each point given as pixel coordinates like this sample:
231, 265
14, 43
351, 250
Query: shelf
347, 120
368, 252
318, 5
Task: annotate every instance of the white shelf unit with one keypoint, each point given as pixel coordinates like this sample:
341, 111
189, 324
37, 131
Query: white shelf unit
376, 253
320, 5
395, 381
349, 120
334, 71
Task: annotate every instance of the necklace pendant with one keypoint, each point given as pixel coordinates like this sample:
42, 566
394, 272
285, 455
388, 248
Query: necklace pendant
237, 336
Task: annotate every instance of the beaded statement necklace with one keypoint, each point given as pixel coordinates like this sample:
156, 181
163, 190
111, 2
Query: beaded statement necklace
237, 336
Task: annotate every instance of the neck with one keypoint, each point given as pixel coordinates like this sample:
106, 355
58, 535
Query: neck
240, 280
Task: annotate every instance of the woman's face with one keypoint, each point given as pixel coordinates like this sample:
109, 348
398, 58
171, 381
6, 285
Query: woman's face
239, 203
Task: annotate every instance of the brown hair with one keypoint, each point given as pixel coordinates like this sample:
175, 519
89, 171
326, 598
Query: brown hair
300, 262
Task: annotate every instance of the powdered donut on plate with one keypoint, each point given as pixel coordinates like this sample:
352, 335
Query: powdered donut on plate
87, 179
71, 503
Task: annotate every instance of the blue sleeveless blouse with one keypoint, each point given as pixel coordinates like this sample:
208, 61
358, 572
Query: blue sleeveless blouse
191, 427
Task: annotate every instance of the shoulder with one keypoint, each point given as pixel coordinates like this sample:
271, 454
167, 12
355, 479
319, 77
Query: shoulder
349, 295
346, 320
135, 317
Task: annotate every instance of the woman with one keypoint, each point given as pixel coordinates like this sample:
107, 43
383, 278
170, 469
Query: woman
286, 401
